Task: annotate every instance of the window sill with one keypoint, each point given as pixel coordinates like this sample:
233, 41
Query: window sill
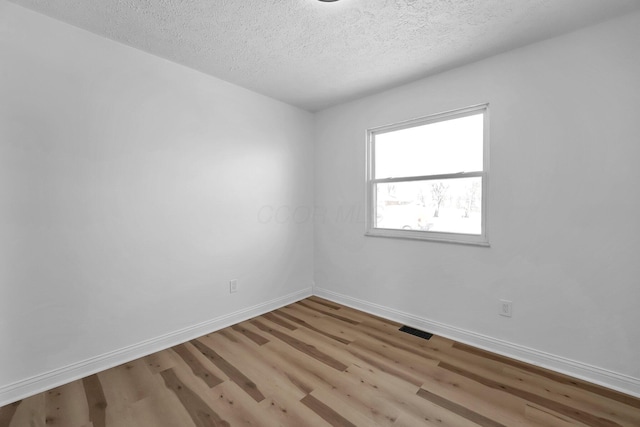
460, 239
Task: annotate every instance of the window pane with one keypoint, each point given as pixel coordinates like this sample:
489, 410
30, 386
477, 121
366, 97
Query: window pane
448, 206
448, 146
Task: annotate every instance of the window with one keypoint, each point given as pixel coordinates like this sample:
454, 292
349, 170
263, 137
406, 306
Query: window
427, 178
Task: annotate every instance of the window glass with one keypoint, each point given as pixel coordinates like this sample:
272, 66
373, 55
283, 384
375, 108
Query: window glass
449, 146
448, 206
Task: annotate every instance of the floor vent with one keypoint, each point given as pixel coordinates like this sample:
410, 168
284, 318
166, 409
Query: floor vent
416, 332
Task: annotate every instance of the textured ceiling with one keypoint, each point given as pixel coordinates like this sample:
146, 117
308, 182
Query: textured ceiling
313, 54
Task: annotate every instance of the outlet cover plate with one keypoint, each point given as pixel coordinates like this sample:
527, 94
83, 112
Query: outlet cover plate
506, 308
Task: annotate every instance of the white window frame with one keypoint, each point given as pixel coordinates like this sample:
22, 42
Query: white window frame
449, 237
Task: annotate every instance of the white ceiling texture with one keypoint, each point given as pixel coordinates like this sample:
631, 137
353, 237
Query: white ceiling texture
314, 54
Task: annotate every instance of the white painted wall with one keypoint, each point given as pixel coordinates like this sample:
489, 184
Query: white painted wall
130, 189
564, 203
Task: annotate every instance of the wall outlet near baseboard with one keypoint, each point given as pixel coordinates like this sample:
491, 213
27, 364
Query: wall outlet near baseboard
233, 286
506, 308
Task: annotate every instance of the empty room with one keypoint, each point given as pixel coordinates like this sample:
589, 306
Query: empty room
319, 213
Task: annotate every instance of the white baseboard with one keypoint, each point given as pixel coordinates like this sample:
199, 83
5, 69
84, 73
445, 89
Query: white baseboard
46, 381
39, 383
593, 374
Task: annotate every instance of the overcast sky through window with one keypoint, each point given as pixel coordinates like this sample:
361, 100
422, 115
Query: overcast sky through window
448, 146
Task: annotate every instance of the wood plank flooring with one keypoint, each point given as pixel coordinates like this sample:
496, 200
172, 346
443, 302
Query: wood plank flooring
317, 363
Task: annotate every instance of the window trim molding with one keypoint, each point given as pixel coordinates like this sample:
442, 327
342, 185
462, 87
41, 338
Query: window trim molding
370, 197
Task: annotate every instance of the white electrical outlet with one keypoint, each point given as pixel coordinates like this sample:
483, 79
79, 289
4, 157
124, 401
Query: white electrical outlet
506, 308
233, 286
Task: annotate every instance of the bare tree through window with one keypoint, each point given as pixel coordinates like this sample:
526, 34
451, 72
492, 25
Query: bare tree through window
438, 193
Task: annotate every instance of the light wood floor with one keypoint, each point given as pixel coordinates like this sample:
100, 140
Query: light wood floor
316, 363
